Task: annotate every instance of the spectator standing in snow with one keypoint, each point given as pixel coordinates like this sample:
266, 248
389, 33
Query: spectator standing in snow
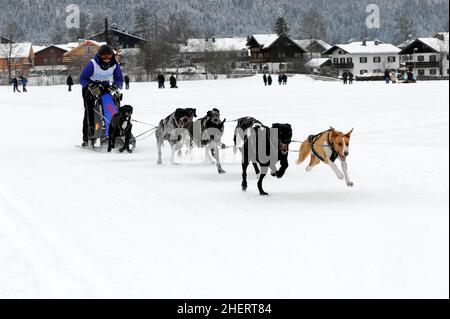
387, 76
285, 79
173, 82
265, 79
15, 84
127, 82
345, 76
351, 77
269, 80
161, 79
280, 78
394, 77
24, 82
69, 82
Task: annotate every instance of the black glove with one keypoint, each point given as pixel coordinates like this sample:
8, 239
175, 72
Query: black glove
95, 89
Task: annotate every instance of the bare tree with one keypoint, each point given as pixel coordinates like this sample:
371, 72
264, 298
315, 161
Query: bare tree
10, 51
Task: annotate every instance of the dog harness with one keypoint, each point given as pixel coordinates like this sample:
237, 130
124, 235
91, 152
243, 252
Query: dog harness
312, 139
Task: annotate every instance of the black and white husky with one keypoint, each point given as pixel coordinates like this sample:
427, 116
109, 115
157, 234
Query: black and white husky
207, 133
174, 130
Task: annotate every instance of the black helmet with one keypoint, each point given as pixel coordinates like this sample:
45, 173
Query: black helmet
106, 56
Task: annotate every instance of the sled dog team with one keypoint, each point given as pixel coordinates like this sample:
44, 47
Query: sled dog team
259, 145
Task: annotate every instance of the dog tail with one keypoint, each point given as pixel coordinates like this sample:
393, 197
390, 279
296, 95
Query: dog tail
305, 150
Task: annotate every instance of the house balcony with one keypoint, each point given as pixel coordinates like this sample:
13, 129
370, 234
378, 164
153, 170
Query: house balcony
349, 65
423, 65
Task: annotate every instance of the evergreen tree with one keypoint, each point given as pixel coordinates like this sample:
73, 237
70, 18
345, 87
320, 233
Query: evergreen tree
281, 27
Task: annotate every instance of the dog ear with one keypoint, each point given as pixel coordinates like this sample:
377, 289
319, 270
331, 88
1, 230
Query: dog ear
334, 133
349, 134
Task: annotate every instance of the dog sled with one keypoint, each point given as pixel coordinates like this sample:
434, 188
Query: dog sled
106, 106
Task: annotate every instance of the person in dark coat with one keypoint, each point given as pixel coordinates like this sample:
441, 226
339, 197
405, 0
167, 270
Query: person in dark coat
269, 80
127, 82
24, 81
285, 79
345, 77
351, 77
161, 79
15, 83
69, 82
173, 82
387, 76
265, 79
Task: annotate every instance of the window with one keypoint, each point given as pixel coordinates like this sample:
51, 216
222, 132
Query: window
45, 61
447, 72
363, 60
335, 61
297, 55
421, 72
433, 58
377, 59
349, 60
392, 59
433, 72
362, 72
377, 71
342, 61
281, 55
340, 52
421, 58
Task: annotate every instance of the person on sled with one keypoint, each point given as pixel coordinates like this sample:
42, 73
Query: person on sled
95, 81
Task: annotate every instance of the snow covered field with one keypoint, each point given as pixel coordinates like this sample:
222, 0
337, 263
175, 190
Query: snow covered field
80, 224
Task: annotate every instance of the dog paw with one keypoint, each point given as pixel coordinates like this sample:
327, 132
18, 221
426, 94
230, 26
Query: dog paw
121, 150
263, 193
309, 169
340, 176
129, 151
350, 184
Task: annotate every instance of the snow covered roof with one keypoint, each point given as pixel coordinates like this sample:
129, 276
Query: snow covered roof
74, 45
314, 63
370, 48
37, 48
307, 42
438, 43
118, 31
19, 50
214, 44
266, 40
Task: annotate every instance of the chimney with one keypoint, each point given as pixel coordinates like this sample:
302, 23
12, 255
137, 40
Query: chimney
377, 42
107, 31
213, 39
364, 43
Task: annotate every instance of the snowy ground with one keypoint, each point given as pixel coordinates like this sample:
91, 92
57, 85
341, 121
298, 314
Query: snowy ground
75, 223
